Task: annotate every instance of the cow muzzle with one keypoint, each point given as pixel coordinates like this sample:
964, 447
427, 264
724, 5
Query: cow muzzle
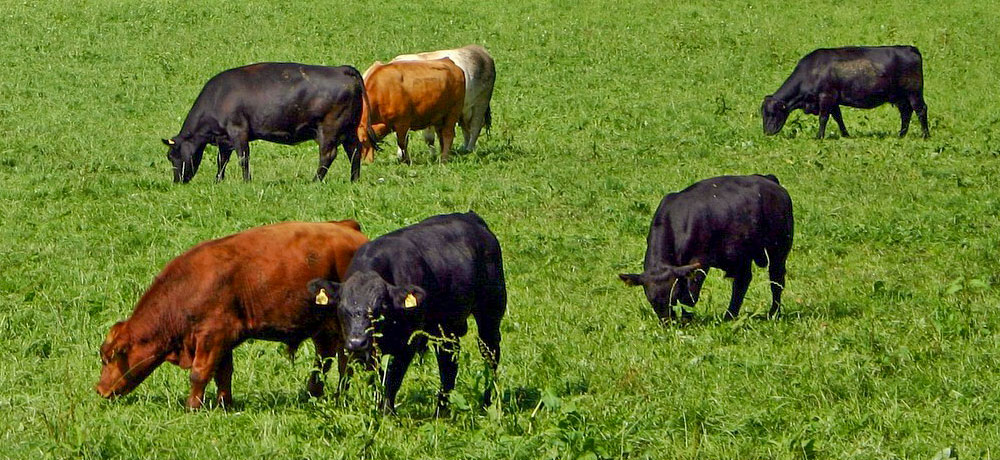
358, 345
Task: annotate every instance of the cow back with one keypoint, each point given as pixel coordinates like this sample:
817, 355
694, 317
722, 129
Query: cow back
722, 222
419, 92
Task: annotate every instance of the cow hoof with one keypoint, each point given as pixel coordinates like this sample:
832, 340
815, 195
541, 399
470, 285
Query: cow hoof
193, 403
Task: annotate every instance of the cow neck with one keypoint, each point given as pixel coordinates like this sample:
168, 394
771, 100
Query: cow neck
155, 320
790, 93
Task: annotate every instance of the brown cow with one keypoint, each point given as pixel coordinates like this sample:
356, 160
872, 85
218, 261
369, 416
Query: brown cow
251, 285
411, 95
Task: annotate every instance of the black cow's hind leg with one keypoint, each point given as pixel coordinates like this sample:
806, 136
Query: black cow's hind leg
840, 120
240, 140
353, 148
826, 106
741, 281
489, 347
776, 272
905, 112
225, 152
327, 152
917, 101
447, 358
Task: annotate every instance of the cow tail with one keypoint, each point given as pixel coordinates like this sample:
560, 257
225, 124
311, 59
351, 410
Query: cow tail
371, 131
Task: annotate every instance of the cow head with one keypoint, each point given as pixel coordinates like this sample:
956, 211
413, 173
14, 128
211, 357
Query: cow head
185, 156
667, 285
369, 307
774, 113
125, 362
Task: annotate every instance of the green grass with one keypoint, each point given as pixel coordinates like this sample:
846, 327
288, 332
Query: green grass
888, 348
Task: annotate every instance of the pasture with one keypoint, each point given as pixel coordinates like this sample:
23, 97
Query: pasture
889, 346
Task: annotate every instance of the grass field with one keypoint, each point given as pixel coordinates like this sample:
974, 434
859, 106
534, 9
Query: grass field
890, 342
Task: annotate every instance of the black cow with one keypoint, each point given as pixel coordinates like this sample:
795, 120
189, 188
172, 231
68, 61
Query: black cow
287, 103
724, 222
862, 77
418, 282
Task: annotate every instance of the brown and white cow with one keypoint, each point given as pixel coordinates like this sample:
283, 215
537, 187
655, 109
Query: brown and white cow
250, 285
411, 95
480, 74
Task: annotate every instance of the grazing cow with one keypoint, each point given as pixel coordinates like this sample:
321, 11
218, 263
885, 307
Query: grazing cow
409, 95
221, 292
418, 282
287, 103
862, 77
724, 222
480, 73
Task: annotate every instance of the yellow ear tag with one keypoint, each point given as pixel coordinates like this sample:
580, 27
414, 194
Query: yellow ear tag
322, 298
410, 301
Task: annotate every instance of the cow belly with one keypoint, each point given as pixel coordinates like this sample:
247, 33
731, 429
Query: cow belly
288, 138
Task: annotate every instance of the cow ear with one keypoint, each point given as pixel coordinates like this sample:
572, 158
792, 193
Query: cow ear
168, 142
324, 293
687, 271
631, 279
117, 341
407, 297
349, 223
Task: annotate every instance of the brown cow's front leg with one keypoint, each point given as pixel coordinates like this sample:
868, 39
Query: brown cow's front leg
224, 381
207, 357
327, 347
401, 141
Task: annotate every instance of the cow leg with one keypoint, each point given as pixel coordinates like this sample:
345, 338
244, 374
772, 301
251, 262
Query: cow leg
394, 378
465, 123
401, 141
905, 112
207, 356
447, 135
741, 281
225, 152
327, 152
353, 148
429, 138
327, 346
224, 381
475, 127
489, 347
826, 106
917, 102
240, 139
840, 121
447, 358
776, 272
344, 373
